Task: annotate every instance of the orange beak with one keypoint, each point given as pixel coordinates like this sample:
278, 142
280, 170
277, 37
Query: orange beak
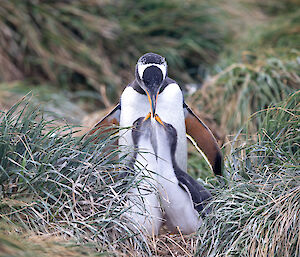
152, 98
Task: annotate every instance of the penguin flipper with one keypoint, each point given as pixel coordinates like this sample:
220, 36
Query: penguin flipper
203, 139
112, 118
199, 194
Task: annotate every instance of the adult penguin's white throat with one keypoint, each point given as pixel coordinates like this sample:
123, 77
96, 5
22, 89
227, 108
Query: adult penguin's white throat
151, 71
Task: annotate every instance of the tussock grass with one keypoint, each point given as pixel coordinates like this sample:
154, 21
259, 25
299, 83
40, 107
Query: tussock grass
241, 89
281, 34
261, 35
31, 245
259, 68
53, 183
257, 213
277, 36
277, 7
95, 44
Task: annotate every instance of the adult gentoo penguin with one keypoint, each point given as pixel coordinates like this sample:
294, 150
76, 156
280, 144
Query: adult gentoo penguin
153, 91
182, 199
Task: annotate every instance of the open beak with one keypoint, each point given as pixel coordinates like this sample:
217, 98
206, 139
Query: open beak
152, 98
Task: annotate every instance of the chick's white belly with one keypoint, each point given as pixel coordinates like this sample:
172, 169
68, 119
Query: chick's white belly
144, 202
176, 202
179, 210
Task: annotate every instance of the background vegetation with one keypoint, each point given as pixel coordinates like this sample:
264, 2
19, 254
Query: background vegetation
256, 212
239, 65
95, 44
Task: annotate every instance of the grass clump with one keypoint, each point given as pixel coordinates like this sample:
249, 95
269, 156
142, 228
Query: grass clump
260, 67
275, 37
256, 214
272, 7
54, 183
91, 44
29, 245
241, 89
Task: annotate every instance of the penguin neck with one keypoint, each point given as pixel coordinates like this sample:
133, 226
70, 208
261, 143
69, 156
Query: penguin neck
136, 86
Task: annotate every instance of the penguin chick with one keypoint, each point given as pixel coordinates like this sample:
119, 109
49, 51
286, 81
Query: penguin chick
143, 199
183, 199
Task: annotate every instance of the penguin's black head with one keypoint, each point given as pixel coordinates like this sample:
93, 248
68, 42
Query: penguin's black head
150, 72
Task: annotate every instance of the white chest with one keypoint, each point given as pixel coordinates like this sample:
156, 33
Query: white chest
133, 106
170, 110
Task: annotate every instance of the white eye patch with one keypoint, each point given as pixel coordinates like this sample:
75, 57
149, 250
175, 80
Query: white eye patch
142, 67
